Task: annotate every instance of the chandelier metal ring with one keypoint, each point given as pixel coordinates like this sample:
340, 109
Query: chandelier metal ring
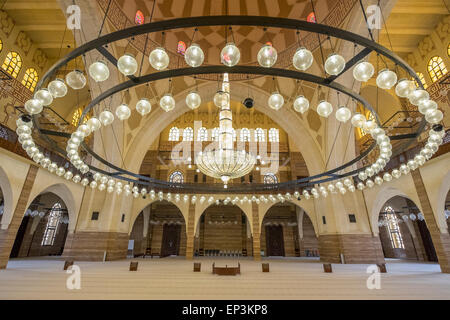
369, 46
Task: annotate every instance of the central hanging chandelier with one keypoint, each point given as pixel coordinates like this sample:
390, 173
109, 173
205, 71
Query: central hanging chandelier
225, 162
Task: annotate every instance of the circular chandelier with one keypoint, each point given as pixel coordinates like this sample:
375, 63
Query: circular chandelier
225, 163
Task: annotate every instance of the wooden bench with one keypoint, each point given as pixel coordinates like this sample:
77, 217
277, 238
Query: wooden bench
134, 266
327, 268
226, 271
265, 267
67, 264
382, 267
197, 267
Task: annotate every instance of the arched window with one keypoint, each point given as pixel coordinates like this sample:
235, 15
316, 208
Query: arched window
393, 228
215, 134
436, 68
77, 115
1, 45
422, 79
181, 47
245, 135
139, 18
188, 134
30, 79
176, 177
274, 135
202, 134
52, 225
270, 178
448, 50
12, 64
260, 135
174, 134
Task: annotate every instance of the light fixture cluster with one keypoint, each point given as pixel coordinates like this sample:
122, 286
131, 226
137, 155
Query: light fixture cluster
230, 56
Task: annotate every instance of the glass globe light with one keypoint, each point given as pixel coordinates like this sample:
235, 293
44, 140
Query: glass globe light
370, 172
159, 59
426, 152
52, 167
335, 64
363, 71
276, 101
427, 105
221, 99
99, 71
343, 114
193, 100
324, 109
396, 173
377, 132
60, 171
420, 160
412, 165
84, 129
94, 124
106, 118
303, 59
44, 96
362, 175
369, 125
57, 88
230, 55
123, 112
376, 167
144, 107
194, 55
404, 169
301, 104
34, 106
167, 102
378, 181
387, 177
417, 96
358, 120
76, 79
68, 175
267, 56
386, 79
404, 88
361, 186
434, 116
93, 184
127, 64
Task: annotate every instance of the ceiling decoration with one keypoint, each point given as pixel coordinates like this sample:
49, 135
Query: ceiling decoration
337, 180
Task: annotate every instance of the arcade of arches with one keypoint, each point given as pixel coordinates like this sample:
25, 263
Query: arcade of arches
43, 215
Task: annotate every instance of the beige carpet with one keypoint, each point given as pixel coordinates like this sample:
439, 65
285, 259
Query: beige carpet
172, 278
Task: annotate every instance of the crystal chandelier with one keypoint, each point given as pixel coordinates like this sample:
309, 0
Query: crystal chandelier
225, 163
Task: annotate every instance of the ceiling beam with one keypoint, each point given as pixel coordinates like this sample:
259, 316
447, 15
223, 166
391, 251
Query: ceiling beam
31, 5
42, 27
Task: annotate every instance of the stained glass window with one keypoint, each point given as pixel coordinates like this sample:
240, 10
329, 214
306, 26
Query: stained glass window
181, 48
77, 115
274, 135
139, 18
188, 134
436, 68
1, 45
393, 228
176, 177
202, 134
311, 17
260, 136
270, 178
30, 79
12, 64
245, 135
448, 50
174, 134
52, 225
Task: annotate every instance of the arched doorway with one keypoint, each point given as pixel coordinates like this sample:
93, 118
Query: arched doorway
403, 231
223, 231
159, 230
43, 230
287, 231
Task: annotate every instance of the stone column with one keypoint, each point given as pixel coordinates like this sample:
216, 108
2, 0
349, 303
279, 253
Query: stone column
190, 232
441, 241
256, 233
8, 236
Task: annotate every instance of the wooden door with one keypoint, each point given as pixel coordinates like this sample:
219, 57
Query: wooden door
171, 240
274, 241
